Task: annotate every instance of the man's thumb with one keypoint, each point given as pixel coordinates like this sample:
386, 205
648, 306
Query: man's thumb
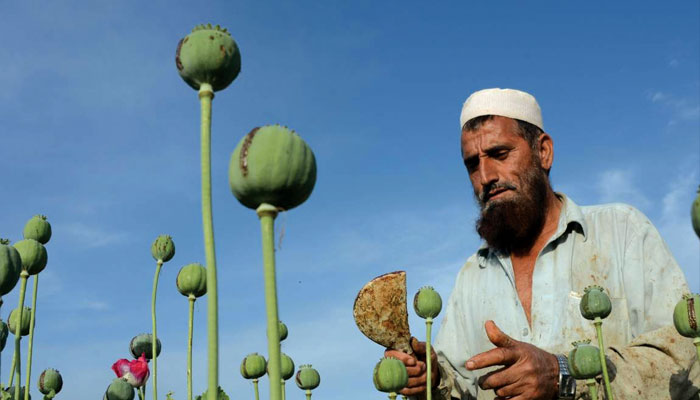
496, 336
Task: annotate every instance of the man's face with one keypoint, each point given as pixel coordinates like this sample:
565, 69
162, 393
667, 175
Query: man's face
509, 184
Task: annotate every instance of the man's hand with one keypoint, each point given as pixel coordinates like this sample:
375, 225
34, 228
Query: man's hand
415, 365
528, 372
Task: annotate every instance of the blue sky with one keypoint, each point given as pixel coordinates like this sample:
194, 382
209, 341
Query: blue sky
99, 132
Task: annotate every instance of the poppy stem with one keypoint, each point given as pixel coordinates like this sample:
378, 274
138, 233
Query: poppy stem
154, 342
267, 214
255, 386
18, 329
206, 95
31, 337
12, 370
190, 328
592, 389
308, 394
598, 322
696, 342
428, 358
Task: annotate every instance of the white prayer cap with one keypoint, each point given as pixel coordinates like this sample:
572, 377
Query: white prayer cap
509, 103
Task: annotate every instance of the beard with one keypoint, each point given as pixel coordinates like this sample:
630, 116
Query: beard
513, 224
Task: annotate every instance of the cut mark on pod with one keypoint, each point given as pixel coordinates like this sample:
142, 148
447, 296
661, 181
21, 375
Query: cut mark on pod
243, 160
691, 314
178, 63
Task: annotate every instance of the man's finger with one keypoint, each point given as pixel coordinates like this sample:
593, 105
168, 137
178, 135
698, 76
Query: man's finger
407, 359
496, 336
418, 346
497, 356
496, 379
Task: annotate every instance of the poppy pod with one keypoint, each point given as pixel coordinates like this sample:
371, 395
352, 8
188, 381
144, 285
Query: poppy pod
307, 378
390, 375
119, 389
253, 366
584, 360
37, 228
33, 255
163, 248
23, 325
272, 165
208, 55
595, 303
286, 367
427, 303
192, 280
50, 381
686, 314
10, 267
143, 345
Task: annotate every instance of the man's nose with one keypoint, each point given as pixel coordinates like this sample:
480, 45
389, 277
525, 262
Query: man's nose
487, 173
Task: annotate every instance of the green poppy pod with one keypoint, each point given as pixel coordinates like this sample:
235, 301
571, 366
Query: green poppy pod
37, 228
143, 344
119, 389
390, 375
33, 255
695, 214
208, 55
24, 325
427, 302
163, 248
11, 392
584, 360
272, 165
286, 367
4, 332
595, 303
307, 378
282, 330
686, 314
10, 267
192, 280
253, 366
50, 381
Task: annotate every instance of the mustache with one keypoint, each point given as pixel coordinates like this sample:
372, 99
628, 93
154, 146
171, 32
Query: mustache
485, 194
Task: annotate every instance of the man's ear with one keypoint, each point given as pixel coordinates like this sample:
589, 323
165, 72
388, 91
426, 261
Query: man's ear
545, 148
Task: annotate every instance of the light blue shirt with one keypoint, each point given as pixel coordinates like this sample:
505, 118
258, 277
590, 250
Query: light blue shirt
614, 246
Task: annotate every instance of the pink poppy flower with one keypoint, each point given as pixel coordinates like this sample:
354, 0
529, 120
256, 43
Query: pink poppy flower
135, 372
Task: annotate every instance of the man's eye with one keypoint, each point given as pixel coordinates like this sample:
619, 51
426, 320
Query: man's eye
471, 165
501, 155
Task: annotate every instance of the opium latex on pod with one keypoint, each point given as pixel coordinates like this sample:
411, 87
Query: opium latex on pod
208, 55
272, 165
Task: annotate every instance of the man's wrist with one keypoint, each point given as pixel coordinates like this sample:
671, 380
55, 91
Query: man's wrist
566, 384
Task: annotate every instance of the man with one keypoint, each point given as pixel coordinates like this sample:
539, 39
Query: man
514, 310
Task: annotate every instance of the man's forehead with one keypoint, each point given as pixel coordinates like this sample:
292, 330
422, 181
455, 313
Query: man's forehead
496, 130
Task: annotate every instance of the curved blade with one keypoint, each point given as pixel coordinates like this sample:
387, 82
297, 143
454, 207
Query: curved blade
380, 311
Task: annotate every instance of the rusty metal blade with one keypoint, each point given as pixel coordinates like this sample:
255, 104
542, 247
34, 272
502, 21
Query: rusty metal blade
380, 311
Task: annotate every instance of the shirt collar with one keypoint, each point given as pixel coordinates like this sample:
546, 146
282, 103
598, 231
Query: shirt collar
570, 216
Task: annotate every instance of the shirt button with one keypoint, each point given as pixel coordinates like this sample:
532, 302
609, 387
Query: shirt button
525, 331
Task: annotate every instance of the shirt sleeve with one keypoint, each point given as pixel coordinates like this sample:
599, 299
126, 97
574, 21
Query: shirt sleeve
658, 363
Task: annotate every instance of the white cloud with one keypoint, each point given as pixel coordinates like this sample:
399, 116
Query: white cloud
680, 108
617, 185
86, 236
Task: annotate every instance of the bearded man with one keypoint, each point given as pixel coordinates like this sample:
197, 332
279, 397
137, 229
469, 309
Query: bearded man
514, 309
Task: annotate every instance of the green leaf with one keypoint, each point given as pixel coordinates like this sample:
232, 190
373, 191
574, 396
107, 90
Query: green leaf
221, 396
